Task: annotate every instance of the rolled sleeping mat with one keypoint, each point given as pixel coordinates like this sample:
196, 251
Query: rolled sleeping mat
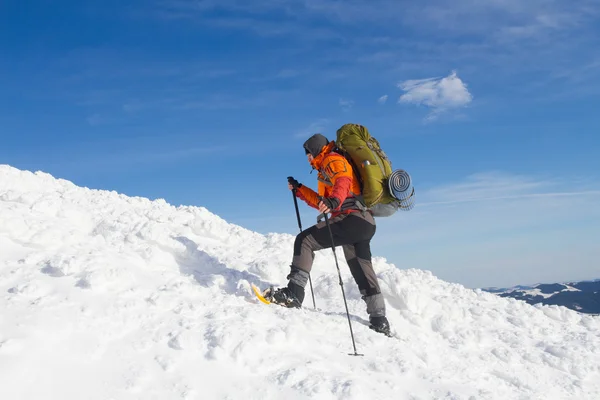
400, 185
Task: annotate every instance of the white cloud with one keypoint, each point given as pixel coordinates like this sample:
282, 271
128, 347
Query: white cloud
383, 99
440, 94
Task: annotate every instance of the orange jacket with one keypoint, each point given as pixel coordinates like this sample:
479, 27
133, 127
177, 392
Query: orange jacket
336, 179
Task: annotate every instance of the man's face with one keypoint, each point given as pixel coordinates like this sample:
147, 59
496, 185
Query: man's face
310, 158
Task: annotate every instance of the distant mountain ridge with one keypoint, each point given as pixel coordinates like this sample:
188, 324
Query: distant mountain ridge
583, 296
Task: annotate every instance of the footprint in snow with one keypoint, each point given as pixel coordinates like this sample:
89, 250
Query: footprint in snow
49, 270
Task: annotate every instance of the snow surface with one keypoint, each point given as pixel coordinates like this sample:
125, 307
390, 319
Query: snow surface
104, 296
536, 291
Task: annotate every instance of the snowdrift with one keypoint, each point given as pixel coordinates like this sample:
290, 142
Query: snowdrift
104, 296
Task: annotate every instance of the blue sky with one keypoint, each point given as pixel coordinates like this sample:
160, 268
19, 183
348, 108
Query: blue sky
492, 107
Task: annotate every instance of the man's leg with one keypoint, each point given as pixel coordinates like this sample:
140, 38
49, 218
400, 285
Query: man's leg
345, 229
358, 257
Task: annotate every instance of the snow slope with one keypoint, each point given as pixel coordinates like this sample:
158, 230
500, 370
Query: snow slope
104, 296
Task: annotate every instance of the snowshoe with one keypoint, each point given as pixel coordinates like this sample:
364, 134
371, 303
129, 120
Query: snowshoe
283, 297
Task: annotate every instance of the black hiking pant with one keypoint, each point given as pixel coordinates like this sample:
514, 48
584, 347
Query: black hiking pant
353, 232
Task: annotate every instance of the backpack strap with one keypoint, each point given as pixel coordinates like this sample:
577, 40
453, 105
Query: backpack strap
354, 201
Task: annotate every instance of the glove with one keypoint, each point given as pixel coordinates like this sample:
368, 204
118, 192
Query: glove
331, 202
295, 184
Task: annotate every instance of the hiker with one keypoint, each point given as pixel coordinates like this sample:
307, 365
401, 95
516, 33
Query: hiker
352, 227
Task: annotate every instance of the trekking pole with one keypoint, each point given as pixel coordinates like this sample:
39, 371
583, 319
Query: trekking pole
341, 284
300, 226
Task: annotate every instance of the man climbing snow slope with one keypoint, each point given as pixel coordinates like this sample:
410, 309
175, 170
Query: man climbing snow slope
352, 227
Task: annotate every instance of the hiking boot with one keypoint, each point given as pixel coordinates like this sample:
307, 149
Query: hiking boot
290, 296
380, 324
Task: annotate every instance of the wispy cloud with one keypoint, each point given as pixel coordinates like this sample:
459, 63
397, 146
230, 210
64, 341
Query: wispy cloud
459, 16
318, 126
103, 118
264, 17
125, 155
175, 155
499, 229
382, 99
497, 186
95, 119
170, 84
346, 104
439, 94
538, 36
487, 185
548, 195
506, 19
288, 73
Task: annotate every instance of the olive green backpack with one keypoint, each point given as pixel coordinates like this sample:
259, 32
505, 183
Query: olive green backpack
374, 170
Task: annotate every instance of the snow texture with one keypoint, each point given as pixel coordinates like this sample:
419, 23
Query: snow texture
105, 296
